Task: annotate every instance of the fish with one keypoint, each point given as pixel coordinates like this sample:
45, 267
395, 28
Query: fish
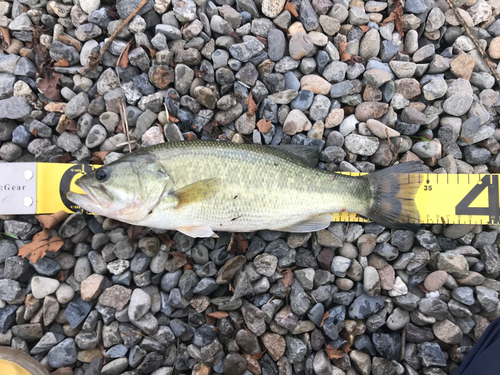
199, 187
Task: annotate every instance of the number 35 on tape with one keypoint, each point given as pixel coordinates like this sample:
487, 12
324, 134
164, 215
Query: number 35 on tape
40, 188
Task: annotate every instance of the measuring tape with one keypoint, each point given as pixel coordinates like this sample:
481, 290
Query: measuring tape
40, 188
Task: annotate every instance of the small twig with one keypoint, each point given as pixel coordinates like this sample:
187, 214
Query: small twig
394, 153
124, 119
475, 41
94, 60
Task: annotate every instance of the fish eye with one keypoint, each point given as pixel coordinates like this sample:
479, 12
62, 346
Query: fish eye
102, 174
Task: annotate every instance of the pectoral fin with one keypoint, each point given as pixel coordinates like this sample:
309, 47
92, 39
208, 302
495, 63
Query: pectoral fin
196, 192
311, 224
197, 231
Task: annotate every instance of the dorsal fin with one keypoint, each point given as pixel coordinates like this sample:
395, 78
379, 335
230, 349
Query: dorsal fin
307, 155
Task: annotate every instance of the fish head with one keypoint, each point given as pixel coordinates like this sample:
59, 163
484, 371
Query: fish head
126, 190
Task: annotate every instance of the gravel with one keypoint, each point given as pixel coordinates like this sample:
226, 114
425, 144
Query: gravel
277, 306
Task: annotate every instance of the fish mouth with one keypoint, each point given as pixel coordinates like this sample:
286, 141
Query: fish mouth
87, 200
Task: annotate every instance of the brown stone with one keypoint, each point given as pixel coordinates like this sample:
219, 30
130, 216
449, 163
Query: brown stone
368, 110
494, 49
325, 258
230, 269
63, 371
435, 280
201, 369
462, 66
447, 332
116, 297
252, 364
366, 243
87, 356
296, 122
387, 277
335, 118
161, 76
316, 84
275, 345
408, 87
472, 279
91, 287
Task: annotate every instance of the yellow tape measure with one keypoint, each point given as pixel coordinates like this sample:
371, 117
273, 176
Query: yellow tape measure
441, 198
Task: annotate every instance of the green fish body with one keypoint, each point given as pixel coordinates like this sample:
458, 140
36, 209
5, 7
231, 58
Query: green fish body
198, 187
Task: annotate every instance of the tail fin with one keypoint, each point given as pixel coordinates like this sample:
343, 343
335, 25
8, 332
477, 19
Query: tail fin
394, 191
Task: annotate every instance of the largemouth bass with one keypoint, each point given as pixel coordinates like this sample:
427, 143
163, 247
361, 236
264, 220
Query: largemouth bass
198, 187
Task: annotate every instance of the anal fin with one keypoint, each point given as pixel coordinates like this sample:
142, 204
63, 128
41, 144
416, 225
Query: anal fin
310, 224
197, 231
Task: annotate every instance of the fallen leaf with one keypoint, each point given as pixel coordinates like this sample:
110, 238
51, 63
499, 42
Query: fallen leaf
326, 316
56, 107
63, 62
40, 51
332, 353
191, 136
252, 106
364, 28
48, 87
101, 154
39, 246
235, 35
151, 52
199, 73
264, 125
172, 118
166, 240
237, 245
133, 231
292, 9
344, 55
287, 279
34, 132
180, 257
65, 158
5, 35
397, 16
218, 314
263, 41
123, 60
50, 221
259, 355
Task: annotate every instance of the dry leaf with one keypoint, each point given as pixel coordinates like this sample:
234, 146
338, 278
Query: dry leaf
287, 279
56, 107
167, 241
40, 245
65, 158
237, 245
48, 87
252, 106
34, 132
172, 118
292, 9
344, 55
123, 60
151, 52
397, 16
364, 28
5, 36
263, 41
49, 221
326, 316
63, 62
332, 353
218, 314
133, 231
259, 355
264, 125
191, 137
242, 244
235, 35
180, 257
101, 154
